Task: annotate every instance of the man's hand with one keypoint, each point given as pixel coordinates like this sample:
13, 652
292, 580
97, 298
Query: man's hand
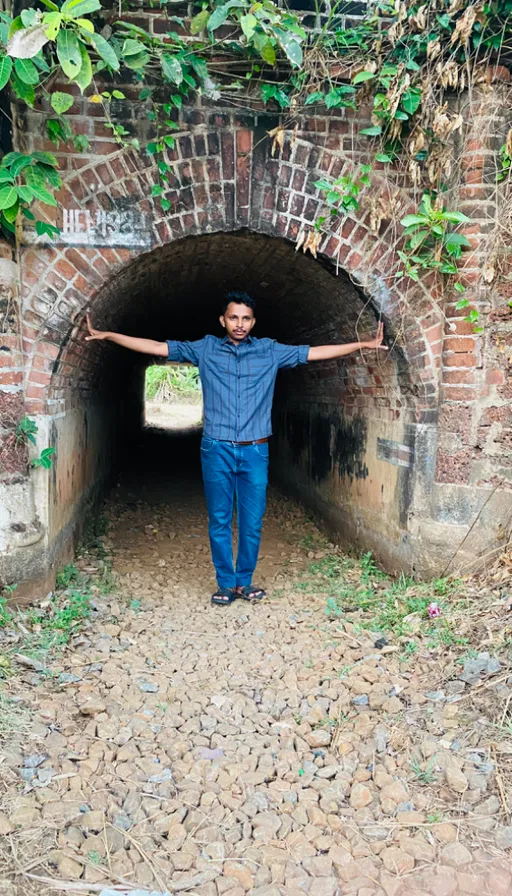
146, 346
377, 342
94, 334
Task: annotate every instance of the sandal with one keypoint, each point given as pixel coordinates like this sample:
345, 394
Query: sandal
223, 597
250, 592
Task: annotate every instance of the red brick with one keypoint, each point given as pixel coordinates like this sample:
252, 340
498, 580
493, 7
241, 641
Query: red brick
495, 377
459, 344
464, 359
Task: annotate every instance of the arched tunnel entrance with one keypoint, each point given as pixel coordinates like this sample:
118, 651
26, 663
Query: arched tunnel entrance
331, 420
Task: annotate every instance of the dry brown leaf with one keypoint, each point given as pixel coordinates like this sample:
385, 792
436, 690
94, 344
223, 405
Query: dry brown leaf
420, 19
312, 242
278, 138
508, 144
300, 239
489, 273
433, 48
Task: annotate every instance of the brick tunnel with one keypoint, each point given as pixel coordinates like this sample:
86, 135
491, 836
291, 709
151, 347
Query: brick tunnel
405, 455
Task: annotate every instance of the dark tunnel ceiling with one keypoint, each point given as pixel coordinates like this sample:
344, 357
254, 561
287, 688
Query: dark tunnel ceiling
174, 292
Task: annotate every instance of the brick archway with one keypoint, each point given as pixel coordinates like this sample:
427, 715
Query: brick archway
228, 186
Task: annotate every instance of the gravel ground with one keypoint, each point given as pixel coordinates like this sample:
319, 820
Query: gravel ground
269, 750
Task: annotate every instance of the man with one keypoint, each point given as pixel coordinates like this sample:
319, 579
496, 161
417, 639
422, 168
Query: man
238, 375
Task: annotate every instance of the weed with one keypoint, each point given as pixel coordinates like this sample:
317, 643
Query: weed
308, 663
410, 649
369, 568
6, 616
94, 857
135, 605
435, 818
332, 608
426, 775
444, 636
66, 575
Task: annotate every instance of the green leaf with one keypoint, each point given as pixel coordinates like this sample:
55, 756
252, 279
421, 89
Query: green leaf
456, 217
25, 193
151, 149
51, 24
26, 71
5, 176
418, 238
19, 164
316, 97
136, 61
105, 50
268, 53
28, 17
411, 220
68, 52
11, 213
411, 101
47, 158
383, 157
61, 102
199, 66
84, 77
118, 95
5, 70
23, 91
172, 70
374, 131
249, 24
44, 229
459, 287
218, 17
156, 190
43, 195
200, 21
133, 47
74, 9
294, 52
8, 196
85, 25
363, 76
165, 203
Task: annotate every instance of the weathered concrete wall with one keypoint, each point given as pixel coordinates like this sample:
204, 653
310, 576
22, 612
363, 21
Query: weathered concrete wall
407, 455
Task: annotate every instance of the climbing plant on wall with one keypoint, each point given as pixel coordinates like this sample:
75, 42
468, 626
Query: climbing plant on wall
403, 59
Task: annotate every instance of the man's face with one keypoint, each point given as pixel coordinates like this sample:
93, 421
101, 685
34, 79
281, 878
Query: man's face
238, 321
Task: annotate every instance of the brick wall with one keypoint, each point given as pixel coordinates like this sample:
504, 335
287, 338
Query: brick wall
398, 435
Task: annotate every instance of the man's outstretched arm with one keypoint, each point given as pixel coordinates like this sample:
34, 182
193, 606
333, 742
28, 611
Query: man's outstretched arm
326, 352
146, 346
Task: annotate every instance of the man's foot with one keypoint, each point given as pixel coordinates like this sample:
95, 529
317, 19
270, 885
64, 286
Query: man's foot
249, 592
223, 597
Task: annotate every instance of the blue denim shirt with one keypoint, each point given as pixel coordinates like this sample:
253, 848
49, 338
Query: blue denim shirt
238, 382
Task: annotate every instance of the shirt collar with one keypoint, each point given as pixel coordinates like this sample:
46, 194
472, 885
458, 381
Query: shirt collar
227, 340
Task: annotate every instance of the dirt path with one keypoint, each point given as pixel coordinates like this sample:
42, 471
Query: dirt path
271, 750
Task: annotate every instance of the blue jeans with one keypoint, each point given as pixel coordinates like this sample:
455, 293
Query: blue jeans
231, 470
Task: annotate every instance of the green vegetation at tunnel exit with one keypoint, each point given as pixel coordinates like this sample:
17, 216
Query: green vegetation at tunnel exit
170, 383
403, 60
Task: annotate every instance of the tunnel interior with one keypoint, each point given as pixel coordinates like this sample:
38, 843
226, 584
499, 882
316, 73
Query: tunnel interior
327, 416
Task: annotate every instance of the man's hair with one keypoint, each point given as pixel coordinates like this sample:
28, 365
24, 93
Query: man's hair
241, 298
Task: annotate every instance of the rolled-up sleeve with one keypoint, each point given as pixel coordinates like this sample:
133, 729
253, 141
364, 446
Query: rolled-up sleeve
290, 355
184, 351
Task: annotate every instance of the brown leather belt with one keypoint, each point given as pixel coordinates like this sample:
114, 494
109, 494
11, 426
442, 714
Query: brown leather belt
253, 442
